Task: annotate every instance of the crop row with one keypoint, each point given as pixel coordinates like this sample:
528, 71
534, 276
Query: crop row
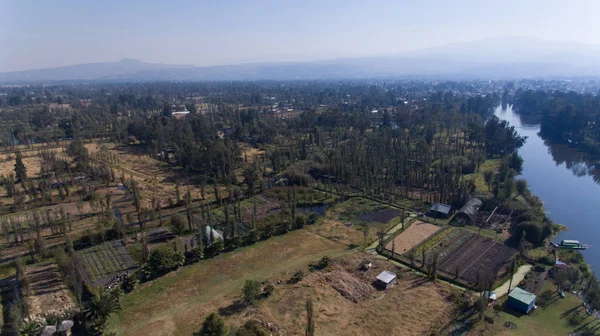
104, 261
489, 263
434, 241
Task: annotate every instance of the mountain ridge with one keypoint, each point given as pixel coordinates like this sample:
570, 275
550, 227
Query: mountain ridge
500, 57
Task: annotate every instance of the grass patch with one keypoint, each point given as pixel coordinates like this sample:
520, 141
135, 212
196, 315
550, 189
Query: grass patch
554, 319
478, 177
178, 302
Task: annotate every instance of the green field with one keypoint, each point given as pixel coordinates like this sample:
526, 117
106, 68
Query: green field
177, 304
557, 318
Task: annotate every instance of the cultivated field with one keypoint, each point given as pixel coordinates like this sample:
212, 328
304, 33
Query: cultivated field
412, 236
47, 289
103, 262
477, 257
465, 254
380, 216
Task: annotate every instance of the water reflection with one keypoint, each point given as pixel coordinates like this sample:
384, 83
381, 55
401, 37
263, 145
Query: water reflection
580, 163
565, 179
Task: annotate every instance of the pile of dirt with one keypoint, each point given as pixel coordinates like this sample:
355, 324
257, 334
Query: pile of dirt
348, 286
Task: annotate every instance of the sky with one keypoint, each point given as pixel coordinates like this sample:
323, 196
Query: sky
41, 34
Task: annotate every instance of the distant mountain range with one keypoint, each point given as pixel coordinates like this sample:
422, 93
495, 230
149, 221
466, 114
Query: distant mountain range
495, 58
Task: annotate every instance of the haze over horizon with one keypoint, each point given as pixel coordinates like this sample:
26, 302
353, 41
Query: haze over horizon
38, 35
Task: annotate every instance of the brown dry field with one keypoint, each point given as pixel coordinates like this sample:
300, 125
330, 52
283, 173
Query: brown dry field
344, 300
251, 153
156, 179
32, 166
415, 234
47, 289
335, 230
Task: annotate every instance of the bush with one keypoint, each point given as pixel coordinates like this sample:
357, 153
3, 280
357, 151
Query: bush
269, 289
178, 223
213, 325
250, 291
196, 254
130, 283
215, 248
163, 260
297, 277
324, 262
252, 328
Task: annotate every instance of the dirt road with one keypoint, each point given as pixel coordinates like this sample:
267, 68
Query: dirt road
518, 277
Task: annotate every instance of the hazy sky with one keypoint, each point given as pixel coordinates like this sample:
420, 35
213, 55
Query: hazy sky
38, 34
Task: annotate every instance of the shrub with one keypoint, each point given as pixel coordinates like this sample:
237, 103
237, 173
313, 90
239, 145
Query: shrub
297, 277
213, 325
216, 248
252, 328
250, 291
324, 262
196, 254
178, 223
269, 289
130, 283
546, 260
163, 260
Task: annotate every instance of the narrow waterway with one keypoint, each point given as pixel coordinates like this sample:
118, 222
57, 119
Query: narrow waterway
564, 180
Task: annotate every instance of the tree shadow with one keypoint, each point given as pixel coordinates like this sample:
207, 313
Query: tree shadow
236, 307
570, 311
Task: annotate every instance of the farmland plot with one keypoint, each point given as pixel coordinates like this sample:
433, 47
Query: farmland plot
465, 252
413, 236
381, 216
103, 262
477, 257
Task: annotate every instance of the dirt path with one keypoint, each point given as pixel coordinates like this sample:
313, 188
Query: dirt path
518, 277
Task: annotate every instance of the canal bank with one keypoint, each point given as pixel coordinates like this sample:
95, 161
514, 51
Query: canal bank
557, 174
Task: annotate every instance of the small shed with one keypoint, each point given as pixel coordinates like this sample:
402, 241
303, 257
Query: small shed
468, 212
521, 300
386, 279
439, 210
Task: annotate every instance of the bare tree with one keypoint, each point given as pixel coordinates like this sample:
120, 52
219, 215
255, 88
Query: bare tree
310, 322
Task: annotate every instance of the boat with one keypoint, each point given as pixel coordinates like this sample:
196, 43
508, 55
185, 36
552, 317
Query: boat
570, 245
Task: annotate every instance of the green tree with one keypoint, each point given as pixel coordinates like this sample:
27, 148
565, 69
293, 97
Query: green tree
213, 325
521, 187
250, 291
100, 308
163, 260
20, 170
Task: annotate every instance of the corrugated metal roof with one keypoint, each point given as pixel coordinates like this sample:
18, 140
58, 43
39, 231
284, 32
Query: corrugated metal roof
386, 277
522, 295
471, 208
442, 208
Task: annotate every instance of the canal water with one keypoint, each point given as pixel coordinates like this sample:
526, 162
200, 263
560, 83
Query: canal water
566, 181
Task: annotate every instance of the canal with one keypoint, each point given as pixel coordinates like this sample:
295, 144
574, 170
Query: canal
566, 181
